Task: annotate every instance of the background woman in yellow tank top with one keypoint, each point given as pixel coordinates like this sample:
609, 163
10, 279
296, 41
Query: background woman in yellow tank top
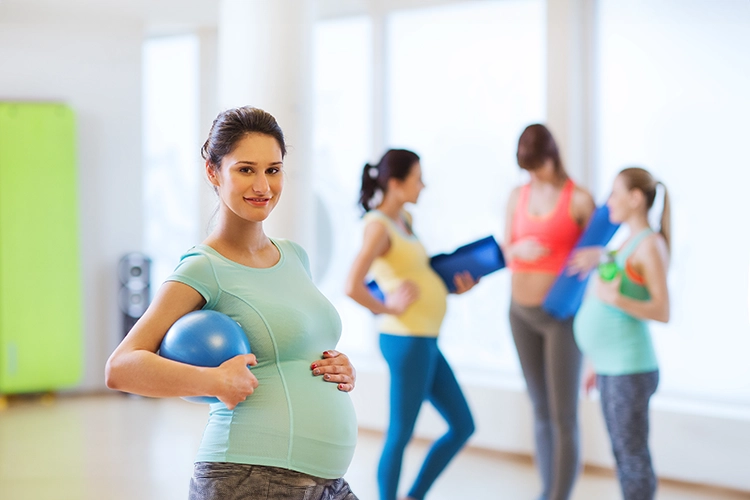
413, 310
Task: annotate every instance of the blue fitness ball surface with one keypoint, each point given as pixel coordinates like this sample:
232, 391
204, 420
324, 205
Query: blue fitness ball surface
204, 338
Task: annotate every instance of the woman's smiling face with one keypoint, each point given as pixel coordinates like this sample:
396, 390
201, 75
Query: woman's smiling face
250, 179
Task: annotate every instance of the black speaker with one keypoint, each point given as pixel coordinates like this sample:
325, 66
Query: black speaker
134, 297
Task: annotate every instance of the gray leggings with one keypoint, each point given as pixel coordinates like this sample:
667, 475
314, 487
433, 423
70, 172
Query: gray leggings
231, 481
625, 406
551, 364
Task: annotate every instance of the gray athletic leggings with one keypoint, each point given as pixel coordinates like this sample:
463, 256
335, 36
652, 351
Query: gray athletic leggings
551, 364
232, 481
625, 406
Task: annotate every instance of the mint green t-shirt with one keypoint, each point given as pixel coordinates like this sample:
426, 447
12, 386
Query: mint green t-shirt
293, 419
616, 342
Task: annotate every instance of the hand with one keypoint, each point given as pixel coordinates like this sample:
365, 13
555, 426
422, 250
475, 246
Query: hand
589, 381
464, 282
608, 291
336, 367
400, 299
583, 260
236, 381
529, 250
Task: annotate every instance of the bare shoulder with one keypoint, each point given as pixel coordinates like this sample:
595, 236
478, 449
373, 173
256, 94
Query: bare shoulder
582, 205
582, 197
376, 238
374, 227
513, 197
654, 248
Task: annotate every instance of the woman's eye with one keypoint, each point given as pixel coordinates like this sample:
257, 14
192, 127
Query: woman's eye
273, 170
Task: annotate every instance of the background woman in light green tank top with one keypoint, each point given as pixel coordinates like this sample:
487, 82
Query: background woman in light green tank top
611, 327
262, 439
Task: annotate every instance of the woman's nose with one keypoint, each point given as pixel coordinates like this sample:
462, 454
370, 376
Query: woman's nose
260, 184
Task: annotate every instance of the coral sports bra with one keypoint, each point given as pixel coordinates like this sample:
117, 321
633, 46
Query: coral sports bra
557, 231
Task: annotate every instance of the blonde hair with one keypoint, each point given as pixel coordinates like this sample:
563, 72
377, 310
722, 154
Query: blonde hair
642, 180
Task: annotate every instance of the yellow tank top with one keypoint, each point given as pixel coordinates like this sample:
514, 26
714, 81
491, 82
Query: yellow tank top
406, 259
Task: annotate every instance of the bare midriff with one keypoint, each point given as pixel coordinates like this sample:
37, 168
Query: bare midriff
530, 289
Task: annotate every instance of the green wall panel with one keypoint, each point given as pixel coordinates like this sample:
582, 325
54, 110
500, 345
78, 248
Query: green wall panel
41, 338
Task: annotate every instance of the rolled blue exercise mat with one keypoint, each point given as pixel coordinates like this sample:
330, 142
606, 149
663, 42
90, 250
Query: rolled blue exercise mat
566, 294
480, 258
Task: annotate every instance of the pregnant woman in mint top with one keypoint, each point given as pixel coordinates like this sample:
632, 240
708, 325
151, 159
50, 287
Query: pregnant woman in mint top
612, 332
286, 428
410, 319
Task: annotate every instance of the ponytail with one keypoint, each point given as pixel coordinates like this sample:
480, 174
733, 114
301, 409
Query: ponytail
665, 226
369, 187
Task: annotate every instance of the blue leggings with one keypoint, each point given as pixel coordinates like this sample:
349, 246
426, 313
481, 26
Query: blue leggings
625, 406
419, 372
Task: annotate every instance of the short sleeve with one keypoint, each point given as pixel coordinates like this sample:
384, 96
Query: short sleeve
302, 254
195, 270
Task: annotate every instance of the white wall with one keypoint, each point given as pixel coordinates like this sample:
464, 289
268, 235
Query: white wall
93, 64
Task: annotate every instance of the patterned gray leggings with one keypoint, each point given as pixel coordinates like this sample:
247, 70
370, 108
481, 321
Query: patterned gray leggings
625, 401
231, 481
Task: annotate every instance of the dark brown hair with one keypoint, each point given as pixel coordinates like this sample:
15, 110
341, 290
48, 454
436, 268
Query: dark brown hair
395, 164
234, 124
535, 146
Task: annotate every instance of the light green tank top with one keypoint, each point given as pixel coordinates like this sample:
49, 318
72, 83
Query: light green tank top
616, 342
292, 420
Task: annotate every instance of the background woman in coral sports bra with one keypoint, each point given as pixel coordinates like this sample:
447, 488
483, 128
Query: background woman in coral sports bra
544, 220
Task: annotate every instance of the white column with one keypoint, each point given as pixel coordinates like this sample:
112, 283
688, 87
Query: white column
265, 60
209, 108
569, 88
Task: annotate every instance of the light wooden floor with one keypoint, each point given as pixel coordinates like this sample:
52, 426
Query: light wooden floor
117, 447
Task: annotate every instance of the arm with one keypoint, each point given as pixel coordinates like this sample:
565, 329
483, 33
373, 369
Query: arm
375, 244
651, 259
582, 206
508, 232
464, 282
135, 367
583, 260
589, 378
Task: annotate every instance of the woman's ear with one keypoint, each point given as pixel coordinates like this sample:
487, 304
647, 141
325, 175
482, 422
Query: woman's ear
211, 174
393, 184
637, 198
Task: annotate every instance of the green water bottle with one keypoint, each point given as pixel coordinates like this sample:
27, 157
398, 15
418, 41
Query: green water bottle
608, 267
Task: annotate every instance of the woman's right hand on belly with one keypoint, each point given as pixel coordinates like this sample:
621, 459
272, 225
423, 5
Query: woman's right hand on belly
529, 250
236, 381
402, 297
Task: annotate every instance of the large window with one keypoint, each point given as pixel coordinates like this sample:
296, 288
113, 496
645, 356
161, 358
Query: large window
457, 84
673, 79
171, 167
462, 83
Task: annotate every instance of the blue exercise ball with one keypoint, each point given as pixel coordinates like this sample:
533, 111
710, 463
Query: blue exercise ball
204, 338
